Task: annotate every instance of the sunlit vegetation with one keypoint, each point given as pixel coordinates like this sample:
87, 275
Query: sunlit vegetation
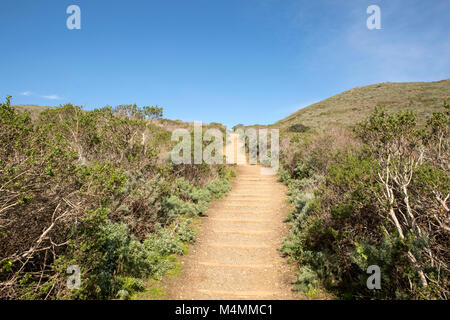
373, 194
351, 106
94, 189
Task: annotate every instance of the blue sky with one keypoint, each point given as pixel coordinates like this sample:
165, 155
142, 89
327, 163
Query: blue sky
229, 61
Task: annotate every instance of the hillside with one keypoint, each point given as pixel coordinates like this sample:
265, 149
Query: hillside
373, 197
356, 104
168, 124
34, 110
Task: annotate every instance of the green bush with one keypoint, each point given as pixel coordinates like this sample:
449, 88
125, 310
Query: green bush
95, 183
298, 128
344, 201
307, 279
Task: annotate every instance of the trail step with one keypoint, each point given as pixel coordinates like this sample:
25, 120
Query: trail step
241, 266
236, 256
242, 232
238, 293
249, 200
244, 207
241, 220
233, 246
245, 195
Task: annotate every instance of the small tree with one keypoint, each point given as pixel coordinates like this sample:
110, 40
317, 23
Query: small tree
128, 110
153, 112
401, 149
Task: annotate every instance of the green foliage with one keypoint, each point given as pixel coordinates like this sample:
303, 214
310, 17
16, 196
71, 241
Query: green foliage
153, 112
217, 188
96, 184
389, 255
341, 222
132, 110
355, 105
189, 200
185, 232
298, 127
430, 178
307, 279
15, 128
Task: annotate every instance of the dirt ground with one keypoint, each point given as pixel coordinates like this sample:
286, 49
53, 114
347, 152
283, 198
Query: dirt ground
236, 252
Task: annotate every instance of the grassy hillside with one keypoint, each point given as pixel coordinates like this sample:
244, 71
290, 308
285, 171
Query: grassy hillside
33, 110
356, 104
373, 196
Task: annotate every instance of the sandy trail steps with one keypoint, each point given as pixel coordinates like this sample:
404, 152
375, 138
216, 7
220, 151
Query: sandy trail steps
235, 255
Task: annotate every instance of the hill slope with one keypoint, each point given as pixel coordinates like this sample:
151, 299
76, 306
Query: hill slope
168, 124
356, 104
34, 110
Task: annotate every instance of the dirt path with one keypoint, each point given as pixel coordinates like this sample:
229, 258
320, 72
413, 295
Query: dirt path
235, 255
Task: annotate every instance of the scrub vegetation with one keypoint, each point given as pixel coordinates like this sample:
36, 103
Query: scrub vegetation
95, 189
373, 193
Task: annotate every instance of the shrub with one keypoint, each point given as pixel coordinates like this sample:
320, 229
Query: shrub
90, 188
298, 127
307, 279
380, 200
